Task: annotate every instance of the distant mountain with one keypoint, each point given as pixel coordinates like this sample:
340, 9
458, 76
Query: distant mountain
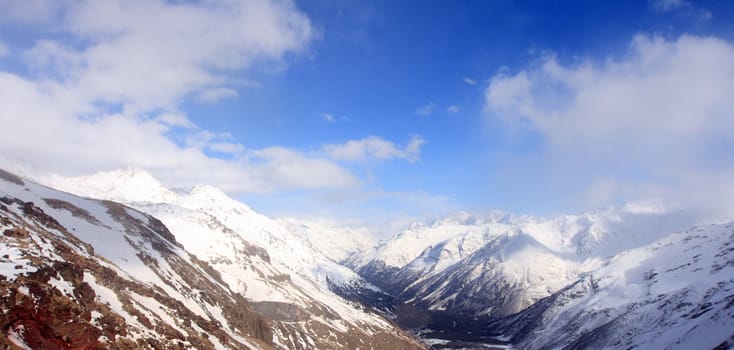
621, 278
336, 242
675, 293
227, 265
213, 273
500, 264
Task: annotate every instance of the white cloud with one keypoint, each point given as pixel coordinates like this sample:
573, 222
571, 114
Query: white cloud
470, 81
453, 109
111, 100
374, 147
148, 54
204, 139
427, 109
683, 7
226, 147
329, 118
291, 169
369, 206
643, 122
45, 139
176, 120
215, 94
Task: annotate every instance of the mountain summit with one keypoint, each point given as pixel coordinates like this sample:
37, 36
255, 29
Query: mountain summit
126, 185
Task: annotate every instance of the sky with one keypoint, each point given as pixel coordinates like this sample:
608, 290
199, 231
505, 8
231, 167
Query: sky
375, 111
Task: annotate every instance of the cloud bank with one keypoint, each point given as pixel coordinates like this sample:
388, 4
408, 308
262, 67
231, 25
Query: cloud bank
109, 94
374, 147
653, 123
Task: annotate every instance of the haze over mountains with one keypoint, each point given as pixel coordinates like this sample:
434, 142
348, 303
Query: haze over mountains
213, 273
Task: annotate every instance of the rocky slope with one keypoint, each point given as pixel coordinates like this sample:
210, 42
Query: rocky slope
676, 293
88, 274
281, 273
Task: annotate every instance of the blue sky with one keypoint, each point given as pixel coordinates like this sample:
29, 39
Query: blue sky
374, 111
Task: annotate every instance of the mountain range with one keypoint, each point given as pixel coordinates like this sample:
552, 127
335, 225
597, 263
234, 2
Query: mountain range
202, 259
118, 260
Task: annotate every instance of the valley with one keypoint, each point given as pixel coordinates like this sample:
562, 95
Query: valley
366, 175
177, 261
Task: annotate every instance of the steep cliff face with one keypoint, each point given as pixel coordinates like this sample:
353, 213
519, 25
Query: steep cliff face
87, 274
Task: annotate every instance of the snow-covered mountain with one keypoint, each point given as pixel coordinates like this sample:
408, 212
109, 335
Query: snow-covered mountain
213, 273
210, 209
254, 259
499, 264
89, 274
334, 241
675, 293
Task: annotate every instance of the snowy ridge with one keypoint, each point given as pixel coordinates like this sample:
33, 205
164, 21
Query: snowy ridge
407, 245
615, 278
333, 241
467, 264
286, 277
130, 184
675, 293
139, 189
132, 280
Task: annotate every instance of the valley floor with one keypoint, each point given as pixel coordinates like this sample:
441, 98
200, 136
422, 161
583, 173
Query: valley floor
441, 344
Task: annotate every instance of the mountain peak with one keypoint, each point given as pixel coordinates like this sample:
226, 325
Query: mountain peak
130, 184
132, 172
207, 196
207, 191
